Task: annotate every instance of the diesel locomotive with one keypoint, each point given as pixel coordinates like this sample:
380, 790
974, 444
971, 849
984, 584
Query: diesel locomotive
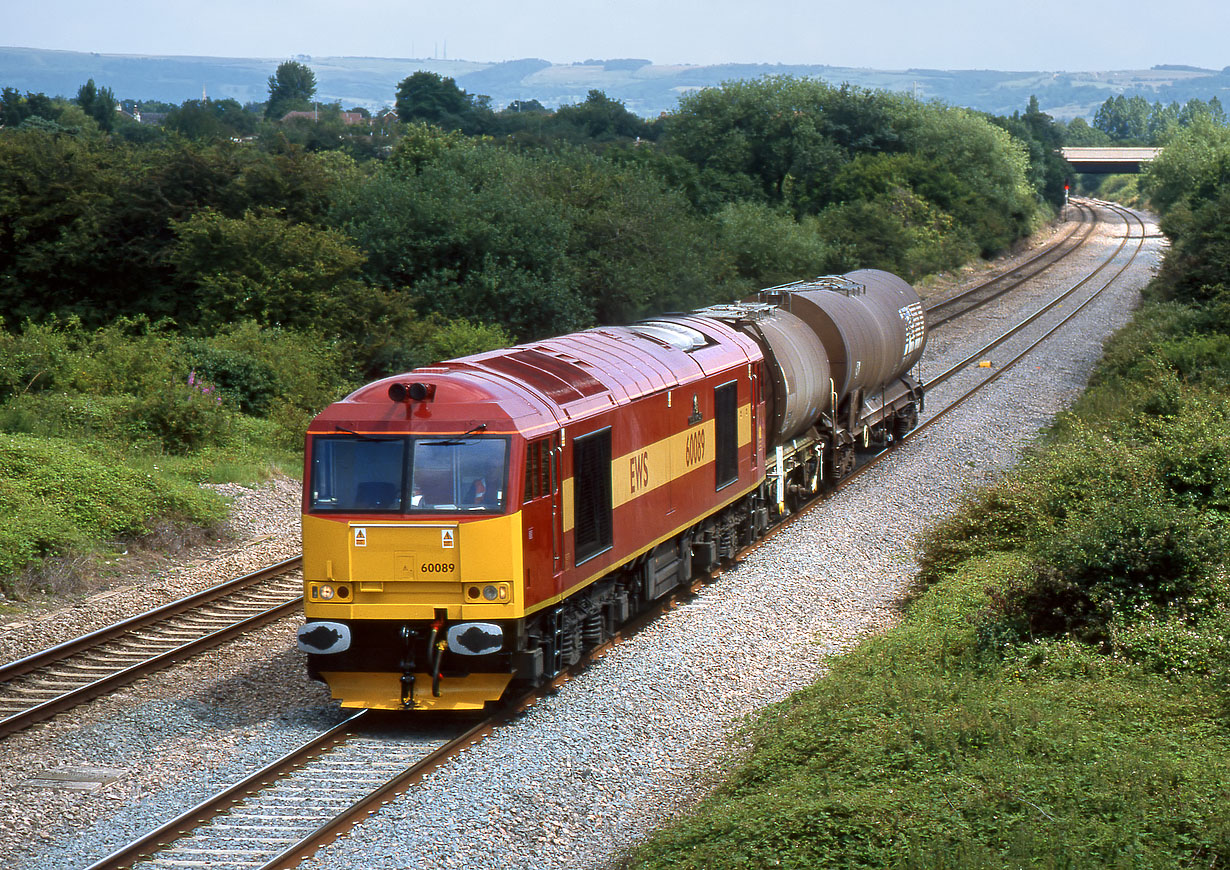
483, 521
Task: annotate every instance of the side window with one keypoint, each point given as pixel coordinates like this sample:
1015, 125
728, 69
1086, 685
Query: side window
726, 435
537, 469
591, 461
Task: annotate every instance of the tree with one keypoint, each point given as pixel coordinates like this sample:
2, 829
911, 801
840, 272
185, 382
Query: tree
1126, 120
462, 229
1078, 133
436, 99
787, 136
1041, 125
768, 246
1042, 138
599, 119
291, 88
211, 119
1191, 170
519, 106
14, 108
98, 103
264, 268
86, 222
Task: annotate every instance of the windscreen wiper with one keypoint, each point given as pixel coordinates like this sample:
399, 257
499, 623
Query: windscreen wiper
457, 439
363, 437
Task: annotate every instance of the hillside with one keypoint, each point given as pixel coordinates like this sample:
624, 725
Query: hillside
646, 88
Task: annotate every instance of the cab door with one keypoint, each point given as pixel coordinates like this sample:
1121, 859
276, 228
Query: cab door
542, 519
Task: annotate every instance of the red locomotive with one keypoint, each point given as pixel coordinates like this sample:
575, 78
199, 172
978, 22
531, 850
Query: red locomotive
487, 519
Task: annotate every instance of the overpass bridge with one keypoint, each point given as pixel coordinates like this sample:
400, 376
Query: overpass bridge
1105, 161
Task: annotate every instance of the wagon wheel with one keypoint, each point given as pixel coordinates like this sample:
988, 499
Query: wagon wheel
843, 462
904, 422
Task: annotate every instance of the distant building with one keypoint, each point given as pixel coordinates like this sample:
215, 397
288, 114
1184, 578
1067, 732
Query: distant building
348, 118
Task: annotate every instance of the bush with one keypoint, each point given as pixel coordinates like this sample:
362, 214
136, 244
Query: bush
1138, 553
185, 416
56, 414
306, 370
128, 356
902, 233
913, 754
245, 381
1172, 644
1002, 518
770, 247
123, 382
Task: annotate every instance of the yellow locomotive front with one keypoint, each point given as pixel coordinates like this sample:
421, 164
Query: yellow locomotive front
411, 557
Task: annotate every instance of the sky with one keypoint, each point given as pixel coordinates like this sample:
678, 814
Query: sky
883, 34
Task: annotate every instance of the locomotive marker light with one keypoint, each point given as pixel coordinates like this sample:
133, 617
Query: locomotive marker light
415, 392
489, 592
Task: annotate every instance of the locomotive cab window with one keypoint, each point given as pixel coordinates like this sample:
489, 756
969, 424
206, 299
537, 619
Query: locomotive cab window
360, 474
592, 507
726, 433
458, 474
357, 473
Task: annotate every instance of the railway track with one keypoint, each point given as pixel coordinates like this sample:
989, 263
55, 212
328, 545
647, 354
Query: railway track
37, 687
945, 310
286, 811
41, 685
278, 816
283, 811
1131, 223
1129, 219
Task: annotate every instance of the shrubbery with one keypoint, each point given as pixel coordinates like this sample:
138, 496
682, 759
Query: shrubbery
134, 377
81, 408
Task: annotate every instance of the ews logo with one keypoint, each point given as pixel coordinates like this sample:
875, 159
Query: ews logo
639, 471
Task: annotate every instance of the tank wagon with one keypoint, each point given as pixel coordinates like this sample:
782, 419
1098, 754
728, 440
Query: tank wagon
487, 519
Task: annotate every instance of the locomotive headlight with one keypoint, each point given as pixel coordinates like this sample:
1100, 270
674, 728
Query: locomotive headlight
500, 593
329, 592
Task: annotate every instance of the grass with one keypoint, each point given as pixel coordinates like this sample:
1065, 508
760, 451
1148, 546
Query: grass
62, 497
107, 434
69, 502
924, 749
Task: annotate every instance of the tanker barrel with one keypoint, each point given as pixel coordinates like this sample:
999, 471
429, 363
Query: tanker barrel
800, 385
870, 322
